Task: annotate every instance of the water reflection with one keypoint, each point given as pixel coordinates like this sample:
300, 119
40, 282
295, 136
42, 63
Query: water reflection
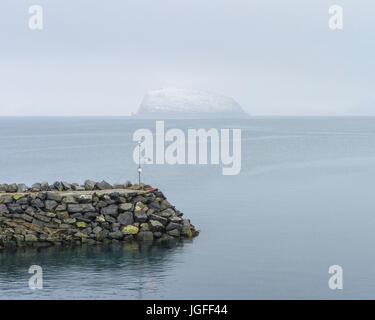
128, 270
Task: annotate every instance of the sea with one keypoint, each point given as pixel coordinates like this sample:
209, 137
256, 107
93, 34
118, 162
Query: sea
303, 201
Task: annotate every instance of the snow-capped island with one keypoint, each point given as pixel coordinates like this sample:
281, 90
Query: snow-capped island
184, 103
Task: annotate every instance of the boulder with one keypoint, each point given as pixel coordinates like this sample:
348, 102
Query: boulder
22, 188
140, 216
156, 226
3, 209
162, 220
145, 236
66, 185
89, 185
13, 188
24, 201
111, 210
81, 224
126, 218
129, 230
125, 207
37, 203
50, 205
44, 186
58, 186
36, 187
174, 233
91, 215
75, 208
31, 238
167, 213
173, 225
103, 185
54, 196
85, 198
118, 235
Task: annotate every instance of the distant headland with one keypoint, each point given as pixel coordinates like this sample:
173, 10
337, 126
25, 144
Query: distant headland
186, 103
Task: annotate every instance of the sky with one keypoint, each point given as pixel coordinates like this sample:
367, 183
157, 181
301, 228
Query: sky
99, 58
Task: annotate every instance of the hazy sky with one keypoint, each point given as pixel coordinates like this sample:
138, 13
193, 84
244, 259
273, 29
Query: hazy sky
275, 57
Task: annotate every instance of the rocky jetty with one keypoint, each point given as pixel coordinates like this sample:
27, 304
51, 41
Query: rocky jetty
93, 213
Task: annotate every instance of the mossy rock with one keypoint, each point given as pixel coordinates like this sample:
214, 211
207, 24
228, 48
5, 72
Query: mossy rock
17, 196
129, 230
81, 224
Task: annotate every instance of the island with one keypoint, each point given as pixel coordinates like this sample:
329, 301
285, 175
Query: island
188, 104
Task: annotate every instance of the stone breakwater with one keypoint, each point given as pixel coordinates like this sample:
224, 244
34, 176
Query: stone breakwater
95, 213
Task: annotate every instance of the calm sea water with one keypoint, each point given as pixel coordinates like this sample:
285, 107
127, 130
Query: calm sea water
303, 201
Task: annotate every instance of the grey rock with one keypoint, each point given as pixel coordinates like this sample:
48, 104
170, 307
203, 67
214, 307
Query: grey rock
13, 188
36, 187
97, 229
6, 199
155, 205
140, 216
85, 198
110, 219
15, 208
110, 210
3, 209
50, 205
116, 235
91, 215
44, 186
165, 205
125, 207
22, 188
157, 234
61, 207
57, 186
41, 195
173, 225
156, 226
23, 201
70, 199
27, 218
74, 208
66, 185
4, 188
167, 213
103, 185
54, 196
38, 223
31, 238
174, 233
126, 218
37, 203
30, 211
145, 236
90, 185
